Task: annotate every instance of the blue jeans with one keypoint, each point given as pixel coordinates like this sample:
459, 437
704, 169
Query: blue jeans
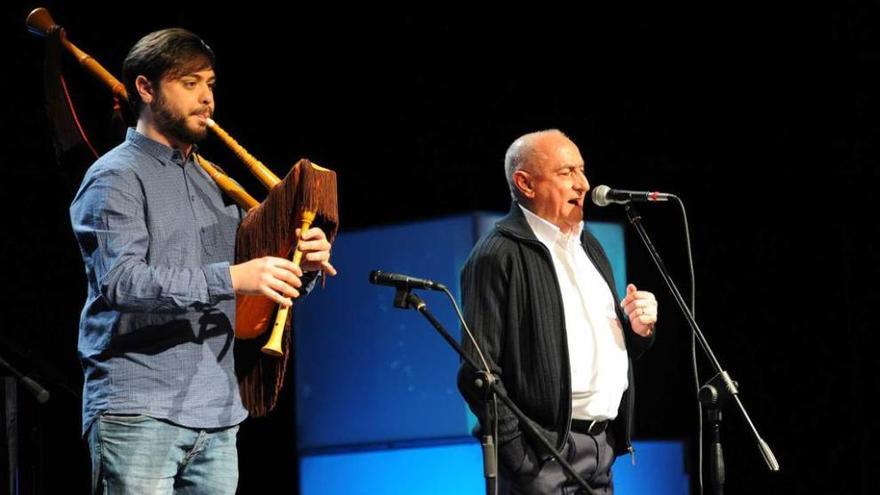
136, 454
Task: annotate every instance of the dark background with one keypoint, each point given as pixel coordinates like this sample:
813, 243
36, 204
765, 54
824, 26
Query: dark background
728, 108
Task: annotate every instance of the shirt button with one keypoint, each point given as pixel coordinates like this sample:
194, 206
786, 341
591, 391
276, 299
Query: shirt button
192, 198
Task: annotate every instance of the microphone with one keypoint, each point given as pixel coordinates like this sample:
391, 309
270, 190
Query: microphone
35, 388
403, 281
39, 392
604, 196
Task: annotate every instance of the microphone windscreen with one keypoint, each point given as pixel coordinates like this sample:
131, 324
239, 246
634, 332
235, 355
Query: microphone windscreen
600, 195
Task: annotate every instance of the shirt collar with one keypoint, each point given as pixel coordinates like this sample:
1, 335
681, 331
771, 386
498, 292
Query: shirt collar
156, 149
548, 233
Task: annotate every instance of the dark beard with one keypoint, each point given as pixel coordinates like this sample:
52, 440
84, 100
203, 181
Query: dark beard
174, 124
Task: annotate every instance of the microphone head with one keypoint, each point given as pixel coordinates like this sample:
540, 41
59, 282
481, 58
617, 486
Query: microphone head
374, 276
600, 195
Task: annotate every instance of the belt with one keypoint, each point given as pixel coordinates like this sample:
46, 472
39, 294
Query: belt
589, 426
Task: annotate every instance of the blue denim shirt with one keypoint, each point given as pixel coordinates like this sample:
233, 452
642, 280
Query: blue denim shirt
156, 332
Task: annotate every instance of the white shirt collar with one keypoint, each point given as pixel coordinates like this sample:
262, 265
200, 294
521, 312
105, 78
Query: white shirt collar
549, 233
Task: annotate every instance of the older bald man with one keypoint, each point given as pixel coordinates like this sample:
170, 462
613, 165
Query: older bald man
538, 295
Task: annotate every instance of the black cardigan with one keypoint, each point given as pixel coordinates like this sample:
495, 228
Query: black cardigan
513, 305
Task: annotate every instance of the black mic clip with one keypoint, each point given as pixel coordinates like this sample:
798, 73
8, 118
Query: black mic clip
405, 299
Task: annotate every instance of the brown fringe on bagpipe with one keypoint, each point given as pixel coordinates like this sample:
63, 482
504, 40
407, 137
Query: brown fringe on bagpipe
270, 230
260, 376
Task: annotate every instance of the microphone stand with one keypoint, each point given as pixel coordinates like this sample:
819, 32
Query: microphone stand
489, 385
11, 415
721, 388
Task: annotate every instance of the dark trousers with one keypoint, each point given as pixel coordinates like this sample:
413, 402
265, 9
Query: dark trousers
591, 456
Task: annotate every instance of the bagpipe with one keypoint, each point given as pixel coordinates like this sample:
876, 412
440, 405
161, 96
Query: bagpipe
305, 197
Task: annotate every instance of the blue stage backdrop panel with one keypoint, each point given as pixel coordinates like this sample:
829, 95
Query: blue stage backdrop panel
368, 374
457, 469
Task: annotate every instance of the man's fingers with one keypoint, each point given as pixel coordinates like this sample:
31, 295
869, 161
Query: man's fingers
641, 295
634, 311
317, 257
311, 234
647, 319
319, 261
275, 296
282, 288
643, 303
285, 264
630, 294
639, 304
328, 268
286, 276
314, 246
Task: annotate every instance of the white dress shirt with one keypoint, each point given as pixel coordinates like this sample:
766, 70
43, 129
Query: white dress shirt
596, 348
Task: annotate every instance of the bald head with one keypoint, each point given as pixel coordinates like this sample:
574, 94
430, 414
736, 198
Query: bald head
545, 173
528, 152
